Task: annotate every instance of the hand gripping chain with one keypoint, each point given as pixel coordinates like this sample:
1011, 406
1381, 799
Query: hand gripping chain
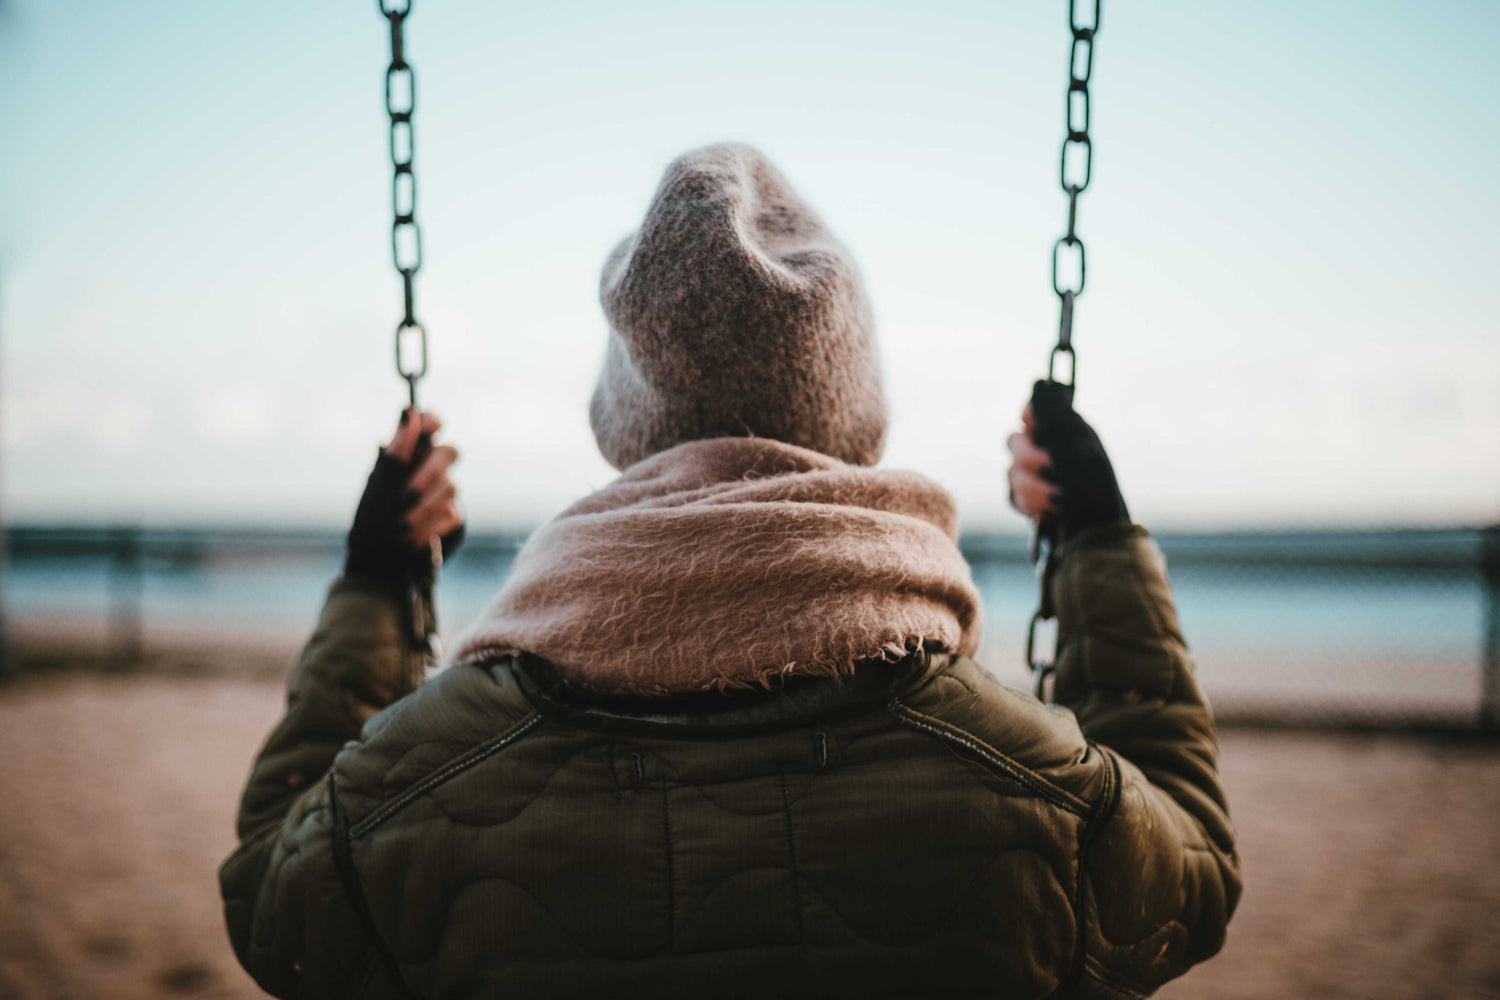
406, 254
1076, 168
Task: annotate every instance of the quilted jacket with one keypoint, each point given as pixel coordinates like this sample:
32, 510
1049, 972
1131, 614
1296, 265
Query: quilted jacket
917, 830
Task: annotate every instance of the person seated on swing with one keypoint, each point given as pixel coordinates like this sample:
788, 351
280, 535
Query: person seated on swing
719, 734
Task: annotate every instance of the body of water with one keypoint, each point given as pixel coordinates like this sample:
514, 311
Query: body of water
1372, 622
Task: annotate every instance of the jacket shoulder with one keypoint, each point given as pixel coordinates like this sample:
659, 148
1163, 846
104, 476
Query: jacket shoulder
1040, 746
451, 722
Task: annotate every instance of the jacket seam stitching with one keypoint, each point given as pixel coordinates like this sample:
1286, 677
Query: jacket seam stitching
1117, 981
1103, 811
953, 734
1097, 971
456, 767
343, 862
274, 823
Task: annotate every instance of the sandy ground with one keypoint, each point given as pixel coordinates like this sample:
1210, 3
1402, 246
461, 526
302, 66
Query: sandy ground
1373, 862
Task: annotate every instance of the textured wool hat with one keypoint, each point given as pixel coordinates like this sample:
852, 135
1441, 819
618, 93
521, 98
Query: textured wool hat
734, 312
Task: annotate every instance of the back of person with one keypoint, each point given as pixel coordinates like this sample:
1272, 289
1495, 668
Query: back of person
721, 734
842, 853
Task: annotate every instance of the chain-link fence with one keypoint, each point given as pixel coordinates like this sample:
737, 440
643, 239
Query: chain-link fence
1373, 628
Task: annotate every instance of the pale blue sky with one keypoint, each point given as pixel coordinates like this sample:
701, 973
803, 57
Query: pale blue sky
1291, 315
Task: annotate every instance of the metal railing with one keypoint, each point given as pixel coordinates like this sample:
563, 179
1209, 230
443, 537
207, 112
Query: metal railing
1389, 628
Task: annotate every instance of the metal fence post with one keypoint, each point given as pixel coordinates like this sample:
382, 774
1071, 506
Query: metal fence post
1489, 706
7, 662
125, 586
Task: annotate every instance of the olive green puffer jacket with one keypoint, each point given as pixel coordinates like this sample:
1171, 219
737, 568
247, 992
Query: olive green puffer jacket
915, 831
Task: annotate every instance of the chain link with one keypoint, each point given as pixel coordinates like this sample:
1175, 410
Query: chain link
406, 254
1075, 170
406, 234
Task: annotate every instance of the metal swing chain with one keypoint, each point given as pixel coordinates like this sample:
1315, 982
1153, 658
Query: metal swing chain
1076, 181
1076, 117
406, 235
406, 254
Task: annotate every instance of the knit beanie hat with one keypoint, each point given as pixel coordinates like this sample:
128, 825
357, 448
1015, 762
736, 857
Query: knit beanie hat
734, 312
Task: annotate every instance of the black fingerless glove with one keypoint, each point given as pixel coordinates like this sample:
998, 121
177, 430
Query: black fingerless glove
377, 547
1088, 495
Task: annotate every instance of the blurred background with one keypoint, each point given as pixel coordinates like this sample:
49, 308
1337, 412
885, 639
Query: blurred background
1288, 341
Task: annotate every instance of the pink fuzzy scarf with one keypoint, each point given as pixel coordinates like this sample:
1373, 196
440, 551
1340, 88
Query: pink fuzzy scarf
729, 562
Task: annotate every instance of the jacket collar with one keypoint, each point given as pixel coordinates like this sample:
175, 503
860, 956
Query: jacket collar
797, 702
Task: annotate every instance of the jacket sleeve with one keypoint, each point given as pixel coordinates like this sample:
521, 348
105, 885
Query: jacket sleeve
1159, 870
295, 924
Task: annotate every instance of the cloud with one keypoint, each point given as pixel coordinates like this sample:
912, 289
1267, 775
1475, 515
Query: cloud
121, 423
243, 413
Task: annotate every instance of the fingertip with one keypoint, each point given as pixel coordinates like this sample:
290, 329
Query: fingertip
401, 441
